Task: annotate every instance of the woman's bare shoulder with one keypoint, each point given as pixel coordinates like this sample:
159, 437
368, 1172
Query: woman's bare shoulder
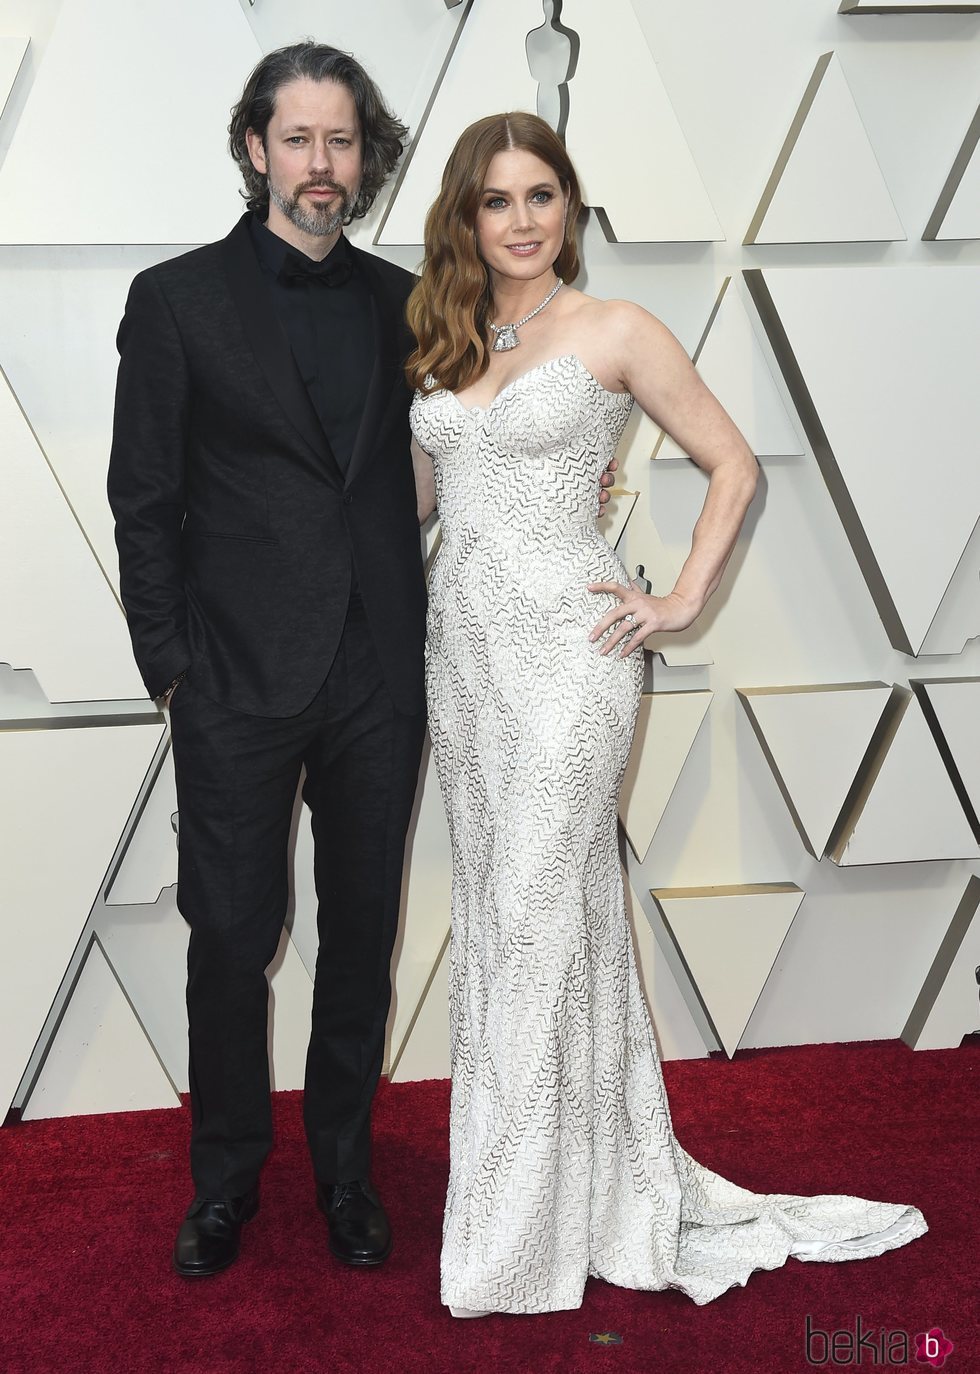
619, 319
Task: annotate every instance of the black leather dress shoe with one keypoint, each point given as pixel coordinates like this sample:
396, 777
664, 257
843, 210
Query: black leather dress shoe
207, 1241
357, 1222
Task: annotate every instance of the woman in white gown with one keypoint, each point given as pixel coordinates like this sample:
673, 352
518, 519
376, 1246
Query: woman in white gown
563, 1162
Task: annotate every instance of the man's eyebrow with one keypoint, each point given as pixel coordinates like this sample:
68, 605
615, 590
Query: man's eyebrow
305, 129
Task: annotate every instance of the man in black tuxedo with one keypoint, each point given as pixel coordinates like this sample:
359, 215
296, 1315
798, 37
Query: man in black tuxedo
266, 523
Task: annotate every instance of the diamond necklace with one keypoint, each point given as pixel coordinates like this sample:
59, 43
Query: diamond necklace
507, 333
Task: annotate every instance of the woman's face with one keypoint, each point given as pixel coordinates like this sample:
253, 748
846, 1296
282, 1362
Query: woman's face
520, 223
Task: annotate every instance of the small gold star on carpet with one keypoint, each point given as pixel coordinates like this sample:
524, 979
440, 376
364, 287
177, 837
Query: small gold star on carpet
605, 1338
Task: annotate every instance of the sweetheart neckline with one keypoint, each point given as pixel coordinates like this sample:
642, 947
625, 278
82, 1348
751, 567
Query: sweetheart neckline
538, 367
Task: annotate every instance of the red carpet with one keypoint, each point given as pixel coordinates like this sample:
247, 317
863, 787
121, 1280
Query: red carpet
90, 1206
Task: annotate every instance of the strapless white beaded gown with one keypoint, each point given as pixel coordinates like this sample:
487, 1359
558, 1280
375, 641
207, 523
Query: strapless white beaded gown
563, 1162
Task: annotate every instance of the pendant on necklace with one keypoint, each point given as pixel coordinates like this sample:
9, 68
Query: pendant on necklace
505, 335
506, 339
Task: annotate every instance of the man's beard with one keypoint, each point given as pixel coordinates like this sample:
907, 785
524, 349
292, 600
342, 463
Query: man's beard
319, 220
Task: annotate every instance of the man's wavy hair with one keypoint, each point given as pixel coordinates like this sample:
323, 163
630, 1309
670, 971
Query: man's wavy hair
449, 309
382, 136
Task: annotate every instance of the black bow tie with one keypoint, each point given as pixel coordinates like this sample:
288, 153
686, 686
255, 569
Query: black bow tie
295, 271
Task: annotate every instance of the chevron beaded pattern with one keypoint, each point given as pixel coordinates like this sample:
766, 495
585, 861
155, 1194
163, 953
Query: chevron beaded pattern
563, 1160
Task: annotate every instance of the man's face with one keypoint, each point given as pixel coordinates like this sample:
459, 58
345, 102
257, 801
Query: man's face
312, 156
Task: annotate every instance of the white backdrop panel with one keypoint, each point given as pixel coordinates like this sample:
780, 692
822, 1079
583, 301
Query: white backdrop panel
657, 196
946, 1009
681, 1028
290, 1009
956, 703
424, 1053
889, 920
491, 40
137, 181
793, 606
150, 862
401, 45
62, 367
666, 727
815, 739
908, 7
826, 186
65, 795
732, 365
729, 938
57, 602
147, 947
958, 619
100, 1059
425, 905
957, 212
896, 394
910, 810
12, 51
618, 510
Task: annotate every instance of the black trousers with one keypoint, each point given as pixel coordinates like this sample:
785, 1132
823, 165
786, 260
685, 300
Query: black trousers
236, 785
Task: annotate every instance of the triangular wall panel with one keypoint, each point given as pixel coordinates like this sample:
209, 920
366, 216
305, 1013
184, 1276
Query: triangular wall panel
681, 1028
641, 437
617, 512
957, 619
56, 603
65, 796
490, 39
615, 81
616, 87
908, 7
147, 948
290, 1012
666, 728
947, 1008
814, 739
62, 365
731, 363
426, 901
150, 862
729, 938
908, 810
100, 1059
424, 1051
138, 126
401, 45
12, 54
957, 211
850, 341
826, 186
952, 708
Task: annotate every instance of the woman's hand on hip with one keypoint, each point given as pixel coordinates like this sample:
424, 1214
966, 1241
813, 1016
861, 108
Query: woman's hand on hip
638, 615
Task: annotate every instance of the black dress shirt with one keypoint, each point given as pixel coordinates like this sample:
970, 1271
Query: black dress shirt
330, 330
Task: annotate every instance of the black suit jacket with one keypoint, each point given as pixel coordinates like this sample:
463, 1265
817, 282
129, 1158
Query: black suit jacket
234, 524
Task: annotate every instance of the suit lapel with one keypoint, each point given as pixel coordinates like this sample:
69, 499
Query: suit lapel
270, 345
388, 312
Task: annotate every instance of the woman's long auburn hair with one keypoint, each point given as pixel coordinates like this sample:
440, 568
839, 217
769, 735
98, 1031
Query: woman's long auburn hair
448, 311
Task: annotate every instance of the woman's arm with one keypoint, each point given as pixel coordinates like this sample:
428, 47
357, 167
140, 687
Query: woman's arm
655, 368
425, 484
